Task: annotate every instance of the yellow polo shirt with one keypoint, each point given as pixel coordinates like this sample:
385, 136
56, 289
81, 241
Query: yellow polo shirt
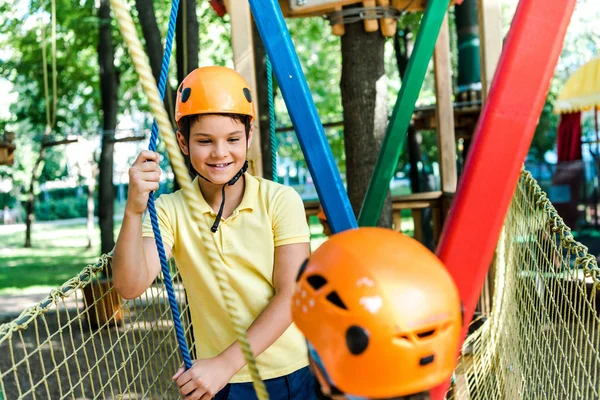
269, 215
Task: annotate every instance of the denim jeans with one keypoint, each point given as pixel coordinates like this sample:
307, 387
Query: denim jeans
299, 385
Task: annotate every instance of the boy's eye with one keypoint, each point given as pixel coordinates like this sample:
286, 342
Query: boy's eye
204, 141
234, 139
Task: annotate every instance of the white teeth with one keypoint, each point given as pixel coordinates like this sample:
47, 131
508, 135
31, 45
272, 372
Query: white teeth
220, 165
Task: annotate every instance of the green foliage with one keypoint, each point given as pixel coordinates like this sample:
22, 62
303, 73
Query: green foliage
26, 29
544, 138
76, 62
215, 37
320, 57
67, 208
6, 200
55, 166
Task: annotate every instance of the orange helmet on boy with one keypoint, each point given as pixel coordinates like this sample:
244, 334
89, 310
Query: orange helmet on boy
213, 90
381, 315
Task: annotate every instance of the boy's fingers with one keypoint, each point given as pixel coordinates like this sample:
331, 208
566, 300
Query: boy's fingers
148, 166
178, 373
148, 176
146, 155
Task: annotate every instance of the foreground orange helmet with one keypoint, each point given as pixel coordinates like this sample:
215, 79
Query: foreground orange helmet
213, 90
381, 315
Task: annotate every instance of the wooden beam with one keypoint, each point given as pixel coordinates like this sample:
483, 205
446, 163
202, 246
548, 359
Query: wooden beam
59, 142
127, 139
445, 110
490, 37
243, 59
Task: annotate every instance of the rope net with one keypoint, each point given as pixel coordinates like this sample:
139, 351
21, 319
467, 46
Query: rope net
538, 340
541, 339
84, 342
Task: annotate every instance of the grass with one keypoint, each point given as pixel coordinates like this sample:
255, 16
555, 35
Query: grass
59, 251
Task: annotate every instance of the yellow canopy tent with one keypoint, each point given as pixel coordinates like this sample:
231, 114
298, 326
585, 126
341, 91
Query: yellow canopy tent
582, 90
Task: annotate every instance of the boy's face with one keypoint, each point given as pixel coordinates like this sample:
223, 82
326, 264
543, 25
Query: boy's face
217, 147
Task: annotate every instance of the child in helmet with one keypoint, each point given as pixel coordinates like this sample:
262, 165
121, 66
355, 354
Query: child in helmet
323, 220
381, 315
259, 230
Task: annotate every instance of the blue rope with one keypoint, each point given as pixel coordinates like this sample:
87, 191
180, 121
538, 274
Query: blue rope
272, 120
162, 83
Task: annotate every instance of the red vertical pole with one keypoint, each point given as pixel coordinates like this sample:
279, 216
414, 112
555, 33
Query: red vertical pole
501, 141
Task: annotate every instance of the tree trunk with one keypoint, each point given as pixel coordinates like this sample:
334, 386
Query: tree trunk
91, 183
155, 49
260, 65
186, 45
187, 42
29, 206
109, 83
413, 142
364, 98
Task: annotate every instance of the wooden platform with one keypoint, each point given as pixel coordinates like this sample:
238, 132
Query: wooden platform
437, 201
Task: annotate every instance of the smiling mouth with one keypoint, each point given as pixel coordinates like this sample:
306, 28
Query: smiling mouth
220, 165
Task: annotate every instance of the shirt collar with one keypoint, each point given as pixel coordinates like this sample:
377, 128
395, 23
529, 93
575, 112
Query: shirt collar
248, 201
250, 193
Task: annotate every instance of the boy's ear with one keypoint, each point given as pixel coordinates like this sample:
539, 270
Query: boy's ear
182, 143
250, 136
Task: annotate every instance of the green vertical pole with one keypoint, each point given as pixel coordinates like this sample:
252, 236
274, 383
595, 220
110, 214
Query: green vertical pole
403, 110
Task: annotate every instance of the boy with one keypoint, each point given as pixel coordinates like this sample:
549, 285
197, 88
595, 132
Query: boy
323, 220
260, 232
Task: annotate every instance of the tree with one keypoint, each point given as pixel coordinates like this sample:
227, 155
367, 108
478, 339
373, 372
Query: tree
364, 98
155, 48
25, 32
187, 39
109, 83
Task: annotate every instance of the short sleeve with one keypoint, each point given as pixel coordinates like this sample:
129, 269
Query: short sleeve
289, 218
164, 223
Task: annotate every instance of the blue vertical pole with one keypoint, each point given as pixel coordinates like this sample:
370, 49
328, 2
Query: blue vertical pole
303, 112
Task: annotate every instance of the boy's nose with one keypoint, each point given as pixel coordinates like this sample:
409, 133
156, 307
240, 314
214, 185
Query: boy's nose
219, 151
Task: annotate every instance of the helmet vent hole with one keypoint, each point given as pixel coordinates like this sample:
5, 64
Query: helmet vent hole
247, 95
425, 334
316, 281
335, 299
426, 360
357, 340
185, 95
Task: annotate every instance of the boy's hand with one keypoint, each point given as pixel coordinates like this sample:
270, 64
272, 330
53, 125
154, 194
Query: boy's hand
144, 176
204, 379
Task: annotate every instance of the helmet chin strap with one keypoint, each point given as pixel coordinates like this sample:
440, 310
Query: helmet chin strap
232, 181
